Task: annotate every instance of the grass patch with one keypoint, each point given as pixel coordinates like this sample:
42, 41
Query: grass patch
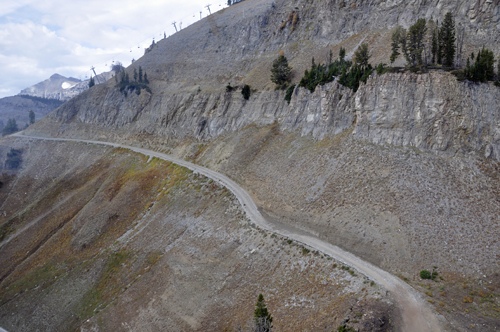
42, 276
108, 285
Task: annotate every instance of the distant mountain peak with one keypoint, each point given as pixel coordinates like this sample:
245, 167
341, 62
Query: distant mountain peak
57, 76
60, 87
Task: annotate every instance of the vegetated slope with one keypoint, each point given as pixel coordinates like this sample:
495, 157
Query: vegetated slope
105, 239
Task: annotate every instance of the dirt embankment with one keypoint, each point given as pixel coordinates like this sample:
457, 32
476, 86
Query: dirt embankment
398, 208
144, 244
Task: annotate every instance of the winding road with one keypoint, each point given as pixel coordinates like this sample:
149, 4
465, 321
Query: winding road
417, 315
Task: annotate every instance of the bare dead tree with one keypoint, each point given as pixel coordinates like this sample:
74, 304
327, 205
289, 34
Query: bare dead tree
460, 43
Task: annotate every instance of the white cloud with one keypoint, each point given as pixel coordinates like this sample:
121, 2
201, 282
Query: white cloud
40, 38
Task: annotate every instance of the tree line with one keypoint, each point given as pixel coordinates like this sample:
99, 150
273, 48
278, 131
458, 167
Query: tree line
349, 73
443, 49
125, 84
425, 45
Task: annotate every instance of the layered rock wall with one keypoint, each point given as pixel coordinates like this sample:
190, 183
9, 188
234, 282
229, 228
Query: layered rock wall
432, 112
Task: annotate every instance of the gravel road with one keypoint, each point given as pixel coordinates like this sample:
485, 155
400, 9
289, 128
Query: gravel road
417, 315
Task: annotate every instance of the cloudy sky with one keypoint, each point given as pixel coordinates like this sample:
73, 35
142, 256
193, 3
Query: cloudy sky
41, 38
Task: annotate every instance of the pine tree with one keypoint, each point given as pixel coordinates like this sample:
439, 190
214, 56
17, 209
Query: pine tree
448, 47
434, 47
246, 91
439, 48
32, 117
10, 127
91, 82
342, 54
146, 78
398, 41
362, 55
411, 43
140, 74
281, 72
135, 74
415, 43
262, 318
14, 159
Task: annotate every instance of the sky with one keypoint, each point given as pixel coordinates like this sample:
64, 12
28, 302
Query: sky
41, 38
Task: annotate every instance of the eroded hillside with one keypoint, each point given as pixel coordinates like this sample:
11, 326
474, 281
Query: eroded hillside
96, 238
403, 172
396, 207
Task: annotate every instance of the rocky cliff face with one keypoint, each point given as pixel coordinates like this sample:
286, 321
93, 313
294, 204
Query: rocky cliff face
189, 71
432, 112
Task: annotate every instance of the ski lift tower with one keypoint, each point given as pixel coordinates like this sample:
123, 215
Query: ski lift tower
208, 7
175, 26
95, 75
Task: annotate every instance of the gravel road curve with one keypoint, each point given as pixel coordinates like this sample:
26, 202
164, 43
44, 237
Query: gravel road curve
417, 315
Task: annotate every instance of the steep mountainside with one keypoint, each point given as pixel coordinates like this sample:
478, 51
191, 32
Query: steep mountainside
102, 239
404, 172
189, 72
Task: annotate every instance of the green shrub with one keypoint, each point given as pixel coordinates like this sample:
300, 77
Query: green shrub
322, 74
460, 74
246, 91
13, 159
230, 88
381, 68
425, 274
305, 251
289, 93
354, 76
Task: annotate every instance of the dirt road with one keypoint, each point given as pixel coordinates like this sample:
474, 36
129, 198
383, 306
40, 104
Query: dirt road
417, 315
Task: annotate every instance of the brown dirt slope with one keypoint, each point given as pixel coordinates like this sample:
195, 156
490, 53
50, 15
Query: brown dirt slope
130, 243
396, 207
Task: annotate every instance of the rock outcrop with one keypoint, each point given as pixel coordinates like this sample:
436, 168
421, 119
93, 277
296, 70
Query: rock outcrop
432, 112
189, 70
